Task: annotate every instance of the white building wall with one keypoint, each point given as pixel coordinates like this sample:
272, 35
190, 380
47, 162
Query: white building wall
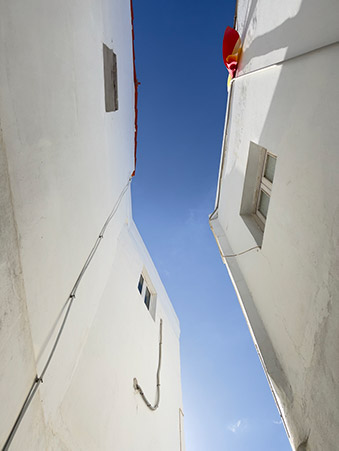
281, 30
123, 344
64, 162
288, 288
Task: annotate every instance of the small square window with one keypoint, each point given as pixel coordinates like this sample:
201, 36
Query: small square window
264, 192
257, 190
147, 293
270, 167
147, 297
140, 284
264, 200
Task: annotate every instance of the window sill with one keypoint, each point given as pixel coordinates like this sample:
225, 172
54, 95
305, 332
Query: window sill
254, 226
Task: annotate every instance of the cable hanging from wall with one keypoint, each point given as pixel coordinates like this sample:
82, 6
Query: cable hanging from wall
139, 389
240, 253
39, 379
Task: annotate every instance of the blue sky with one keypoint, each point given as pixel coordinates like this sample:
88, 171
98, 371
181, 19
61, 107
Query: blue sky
182, 98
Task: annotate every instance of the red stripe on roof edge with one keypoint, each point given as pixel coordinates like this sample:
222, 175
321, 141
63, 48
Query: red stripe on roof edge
136, 84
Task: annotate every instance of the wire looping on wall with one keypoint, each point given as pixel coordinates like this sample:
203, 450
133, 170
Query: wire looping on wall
39, 379
139, 389
241, 253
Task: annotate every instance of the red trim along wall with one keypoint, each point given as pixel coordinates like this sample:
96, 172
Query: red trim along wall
136, 84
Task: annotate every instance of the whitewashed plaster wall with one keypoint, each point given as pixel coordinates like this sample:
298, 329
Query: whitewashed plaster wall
64, 162
281, 30
101, 408
289, 288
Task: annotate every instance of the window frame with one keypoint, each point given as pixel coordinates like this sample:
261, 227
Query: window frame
266, 186
141, 283
147, 293
147, 297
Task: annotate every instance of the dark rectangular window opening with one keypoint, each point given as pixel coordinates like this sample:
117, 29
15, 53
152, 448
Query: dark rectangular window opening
264, 201
147, 293
140, 284
147, 297
111, 79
